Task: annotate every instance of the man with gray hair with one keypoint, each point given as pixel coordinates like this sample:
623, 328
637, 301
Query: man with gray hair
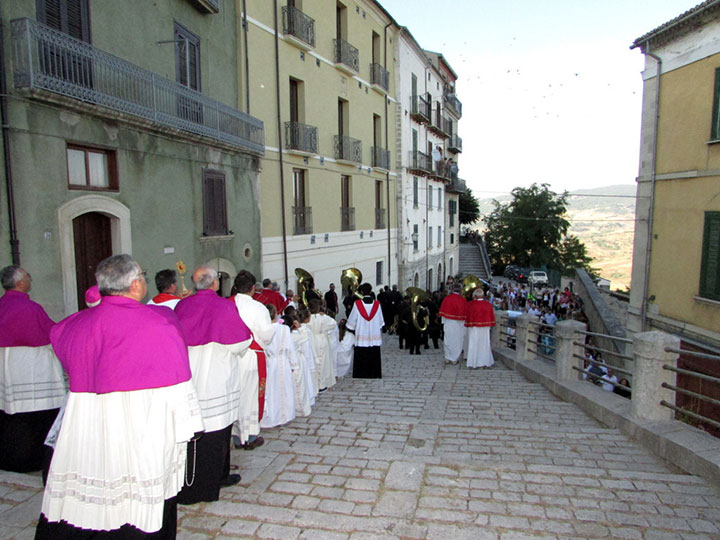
32, 386
120, 454
218, 341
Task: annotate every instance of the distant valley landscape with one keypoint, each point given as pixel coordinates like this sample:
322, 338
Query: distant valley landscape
604, 220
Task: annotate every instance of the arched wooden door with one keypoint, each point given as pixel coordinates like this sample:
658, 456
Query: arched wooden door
93, 242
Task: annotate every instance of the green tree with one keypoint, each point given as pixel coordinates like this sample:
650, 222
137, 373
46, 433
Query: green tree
531, 230
469, 208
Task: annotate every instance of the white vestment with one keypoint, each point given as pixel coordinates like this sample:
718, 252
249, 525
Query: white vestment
454, 339
345, 354
167, 303
367, 333
216, 374
322, 327
257, 318
308, 348
120, 455
279, 386
31, 379
479, 351
301, 373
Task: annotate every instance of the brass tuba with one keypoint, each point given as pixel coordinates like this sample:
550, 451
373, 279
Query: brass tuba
350, 279
305, 282
470, 284
417, 296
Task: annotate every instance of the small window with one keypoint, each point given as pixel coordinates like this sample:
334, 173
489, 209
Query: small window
91, 168
429, 237
415, 237
415, 192
439, 236
187, 58
715, 132
214, 203
378, 273
710, 266
430, 192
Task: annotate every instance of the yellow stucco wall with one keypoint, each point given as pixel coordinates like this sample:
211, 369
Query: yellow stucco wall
322, 85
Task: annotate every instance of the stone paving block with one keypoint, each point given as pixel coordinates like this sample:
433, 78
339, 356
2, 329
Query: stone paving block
240, 526
316, 534
277, 532
454, 532
396, 504
405, 476
509, 522
336, 507
24, 513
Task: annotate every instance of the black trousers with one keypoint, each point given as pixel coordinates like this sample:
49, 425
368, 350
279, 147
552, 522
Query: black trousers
22, 438
62, 530
208, 462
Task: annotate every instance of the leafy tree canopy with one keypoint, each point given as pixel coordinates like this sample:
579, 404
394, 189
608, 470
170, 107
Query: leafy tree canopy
469, 208
531, 230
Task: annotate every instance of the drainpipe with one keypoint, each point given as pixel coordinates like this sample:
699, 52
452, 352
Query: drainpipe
14, 242
280, 146
247, 60
387, 173
653, 177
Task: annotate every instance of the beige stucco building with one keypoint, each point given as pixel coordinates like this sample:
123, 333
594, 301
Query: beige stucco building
676, 259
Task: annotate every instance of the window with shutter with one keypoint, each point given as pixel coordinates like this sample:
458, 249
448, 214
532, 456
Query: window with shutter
214, 203
710, 267
187, 73
715, 132
69, 16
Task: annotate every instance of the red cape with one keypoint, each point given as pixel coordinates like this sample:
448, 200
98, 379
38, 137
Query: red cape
480, 313
454, 307
268, 296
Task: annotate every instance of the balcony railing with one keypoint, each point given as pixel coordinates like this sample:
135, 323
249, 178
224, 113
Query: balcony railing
379, 76
443, 169
420, 109
455, 144
302, 219
420, 163
301, 137
380, 218
347, 218
346, 54
46, 59
439, 123
453, 103
456, 186
380, 158
299, 25
348, 149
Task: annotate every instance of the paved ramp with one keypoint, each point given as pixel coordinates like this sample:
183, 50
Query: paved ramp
438, 452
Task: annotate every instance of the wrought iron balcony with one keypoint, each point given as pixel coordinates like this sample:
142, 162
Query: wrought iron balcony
49, 60
420, 109
348, 149
346, 55
456, 185
380, 76
302, 219
380, 158
453, 104
380, 218
301, 137
455, 144
298, 25
347, 218
443, 169
420, 163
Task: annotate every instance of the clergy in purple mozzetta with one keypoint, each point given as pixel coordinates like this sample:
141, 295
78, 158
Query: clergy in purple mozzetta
119, 458
217, 339
32, 385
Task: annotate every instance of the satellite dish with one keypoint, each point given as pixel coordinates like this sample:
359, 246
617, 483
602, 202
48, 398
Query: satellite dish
436, 155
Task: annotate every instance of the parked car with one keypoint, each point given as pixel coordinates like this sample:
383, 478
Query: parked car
537, 277
510, 271
522, 275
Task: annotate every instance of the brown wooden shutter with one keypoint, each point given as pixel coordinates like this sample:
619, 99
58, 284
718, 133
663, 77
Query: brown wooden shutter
214, 203
69, 16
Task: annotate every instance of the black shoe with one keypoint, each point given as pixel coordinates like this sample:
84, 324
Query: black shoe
230, 480
252, 445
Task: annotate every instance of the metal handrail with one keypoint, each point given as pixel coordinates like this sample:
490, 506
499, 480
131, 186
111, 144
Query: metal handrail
600, 363
379, 76
599, 377
593, 348
302, 219
50, 60
690, 413
691, 394
347, 218
693, 353
692, 373
301, 137
380, 157
420, 107
348, 149
380, 218
620, 339
541, 355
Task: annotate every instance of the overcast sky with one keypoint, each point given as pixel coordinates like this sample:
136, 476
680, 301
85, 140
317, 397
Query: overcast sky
551, 91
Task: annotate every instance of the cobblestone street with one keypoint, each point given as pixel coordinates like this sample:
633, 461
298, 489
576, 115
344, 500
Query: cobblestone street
438, 452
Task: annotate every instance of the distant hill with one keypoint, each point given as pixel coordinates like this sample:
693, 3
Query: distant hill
604, 220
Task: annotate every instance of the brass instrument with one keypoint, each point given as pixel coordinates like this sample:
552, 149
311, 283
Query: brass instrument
350, 279
305, 282
417, 296
470, 284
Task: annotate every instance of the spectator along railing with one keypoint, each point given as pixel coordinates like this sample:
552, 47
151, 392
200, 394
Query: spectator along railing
650, 372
